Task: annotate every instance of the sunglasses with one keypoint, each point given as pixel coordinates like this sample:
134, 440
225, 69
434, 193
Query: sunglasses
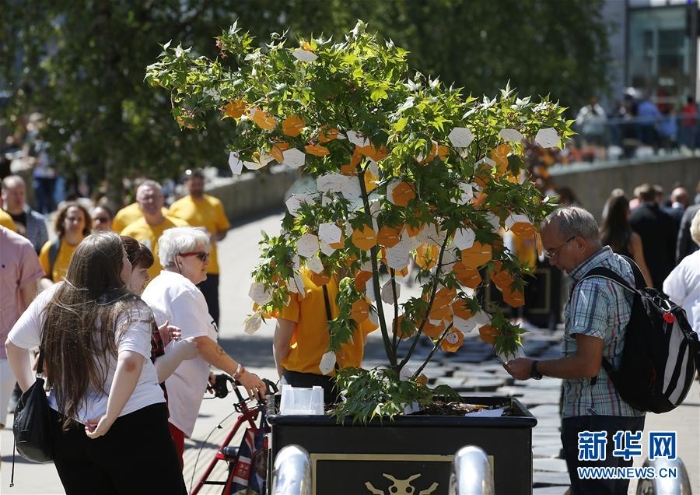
203, 256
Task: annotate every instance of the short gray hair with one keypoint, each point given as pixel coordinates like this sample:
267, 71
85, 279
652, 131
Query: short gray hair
574, 221
695, 228
178, 240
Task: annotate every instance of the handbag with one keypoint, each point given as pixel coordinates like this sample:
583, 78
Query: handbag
32, 423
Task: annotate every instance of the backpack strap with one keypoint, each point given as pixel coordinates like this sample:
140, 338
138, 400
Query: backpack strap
607, 273
54, 248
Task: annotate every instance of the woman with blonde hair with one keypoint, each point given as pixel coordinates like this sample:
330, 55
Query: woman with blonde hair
107, 406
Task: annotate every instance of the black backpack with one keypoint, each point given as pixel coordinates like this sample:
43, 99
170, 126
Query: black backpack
661, 352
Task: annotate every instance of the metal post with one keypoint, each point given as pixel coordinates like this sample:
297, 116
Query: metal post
679, 485
292, 472
471, 473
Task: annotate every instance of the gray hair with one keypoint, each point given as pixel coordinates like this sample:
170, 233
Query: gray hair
148, 184
178, 240
574, 221
695, 228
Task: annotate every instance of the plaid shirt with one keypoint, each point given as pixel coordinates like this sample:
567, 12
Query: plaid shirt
598, 308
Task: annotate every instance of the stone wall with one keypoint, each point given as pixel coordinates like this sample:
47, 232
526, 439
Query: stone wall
592, 183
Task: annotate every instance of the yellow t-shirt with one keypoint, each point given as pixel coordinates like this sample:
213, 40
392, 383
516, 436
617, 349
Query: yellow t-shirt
311, 338
149, 235
128, 215
207, 212
6, 221
60, 266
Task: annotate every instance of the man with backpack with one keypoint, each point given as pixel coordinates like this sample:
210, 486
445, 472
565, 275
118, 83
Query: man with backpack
596, 317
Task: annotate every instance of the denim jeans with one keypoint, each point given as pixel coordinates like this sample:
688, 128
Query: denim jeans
570, 428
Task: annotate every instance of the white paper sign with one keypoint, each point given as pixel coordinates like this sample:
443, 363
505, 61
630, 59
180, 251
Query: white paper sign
461, 137
547, 138
258, 293
235, 163
307, 245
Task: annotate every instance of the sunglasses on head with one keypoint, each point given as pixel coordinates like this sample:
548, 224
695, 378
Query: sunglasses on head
203, 256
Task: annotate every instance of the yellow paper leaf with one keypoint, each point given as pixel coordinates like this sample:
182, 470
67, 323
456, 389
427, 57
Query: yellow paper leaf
317, 150
263, 119
364, 238
235, 109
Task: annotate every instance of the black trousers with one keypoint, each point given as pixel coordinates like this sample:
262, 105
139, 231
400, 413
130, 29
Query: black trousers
308, 380
136, 456
210, 290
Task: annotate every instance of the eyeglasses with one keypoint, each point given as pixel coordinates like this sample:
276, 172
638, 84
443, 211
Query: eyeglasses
101, 219
555, 252
203, 256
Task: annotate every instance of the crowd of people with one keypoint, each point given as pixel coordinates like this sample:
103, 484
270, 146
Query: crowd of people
146, 279
635, 124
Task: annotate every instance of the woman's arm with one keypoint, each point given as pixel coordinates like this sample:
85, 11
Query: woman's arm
21, 365
215, 355
126, 376
181, 351
638, 255
281, 342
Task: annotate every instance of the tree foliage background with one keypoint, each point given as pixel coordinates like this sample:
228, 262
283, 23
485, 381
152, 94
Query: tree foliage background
82, 64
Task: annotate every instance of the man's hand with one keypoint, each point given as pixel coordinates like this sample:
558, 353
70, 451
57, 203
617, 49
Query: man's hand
519, 368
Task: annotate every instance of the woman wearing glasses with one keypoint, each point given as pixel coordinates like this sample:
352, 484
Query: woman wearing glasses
174, 297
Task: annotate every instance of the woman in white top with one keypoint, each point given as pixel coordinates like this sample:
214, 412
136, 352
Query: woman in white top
682, 285
174, 297
111, 434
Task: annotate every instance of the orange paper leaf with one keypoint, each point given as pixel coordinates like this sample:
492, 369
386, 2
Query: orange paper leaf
468, 277
263, 119
489, 333
477, 255
388, 236
452, 341
326, 134
235, 109
364, 239
402, 194
292, 126
360, 311
317, 150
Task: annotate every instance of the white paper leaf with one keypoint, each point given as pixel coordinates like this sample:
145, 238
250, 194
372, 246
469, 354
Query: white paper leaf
464, 238
329, 233
357, 139
307, 245
314, 264
547, 138
235, 163
327, 249
293, 158
388, 292
252, 323
258, 293
304, 55
369, 290
327, 363
514, 218
397, 256
461, 137
511, 135
295, 201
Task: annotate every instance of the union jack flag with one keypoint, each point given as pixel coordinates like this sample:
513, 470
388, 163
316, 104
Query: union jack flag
250, 470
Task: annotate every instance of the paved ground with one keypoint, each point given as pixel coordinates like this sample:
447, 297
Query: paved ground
471, 370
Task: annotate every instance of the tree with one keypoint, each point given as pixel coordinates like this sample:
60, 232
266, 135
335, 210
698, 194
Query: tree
82, 63
403, 164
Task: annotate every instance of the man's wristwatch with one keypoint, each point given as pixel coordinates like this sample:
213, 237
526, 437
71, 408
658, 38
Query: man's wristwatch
533, 371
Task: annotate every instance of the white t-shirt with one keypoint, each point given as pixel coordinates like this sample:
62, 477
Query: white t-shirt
174, 298
26, 333
683, 287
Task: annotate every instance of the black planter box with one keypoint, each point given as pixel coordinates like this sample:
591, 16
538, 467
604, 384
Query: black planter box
353, 459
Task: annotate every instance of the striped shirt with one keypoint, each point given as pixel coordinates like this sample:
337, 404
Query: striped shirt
598, 308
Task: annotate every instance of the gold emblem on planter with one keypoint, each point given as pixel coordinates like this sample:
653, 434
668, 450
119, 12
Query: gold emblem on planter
401, 487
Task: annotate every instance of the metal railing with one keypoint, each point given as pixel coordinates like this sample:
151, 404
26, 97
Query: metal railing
291, 474
471, 473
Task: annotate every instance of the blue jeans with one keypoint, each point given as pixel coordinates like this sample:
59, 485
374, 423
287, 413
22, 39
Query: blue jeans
570, 428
